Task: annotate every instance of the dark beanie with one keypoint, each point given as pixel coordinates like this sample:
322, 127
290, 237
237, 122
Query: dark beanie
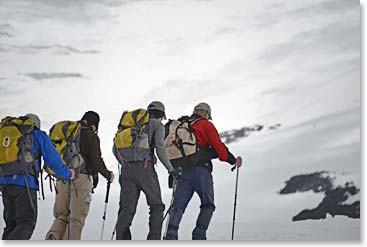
92, 118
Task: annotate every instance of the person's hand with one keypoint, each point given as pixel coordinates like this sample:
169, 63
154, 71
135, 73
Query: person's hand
72, 174
176, 173
170, 181
238, 161
95, 180
112, 177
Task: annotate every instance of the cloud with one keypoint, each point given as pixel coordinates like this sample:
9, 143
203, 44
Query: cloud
5, 30
68, 12
5, 34
50, 76
6, 26
335, 37
54, 49
292, 12
225, 30
279, 91
322, 8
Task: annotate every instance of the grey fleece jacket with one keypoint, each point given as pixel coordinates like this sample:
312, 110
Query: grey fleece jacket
156, 137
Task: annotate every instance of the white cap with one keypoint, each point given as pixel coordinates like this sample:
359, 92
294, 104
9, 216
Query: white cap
204, 107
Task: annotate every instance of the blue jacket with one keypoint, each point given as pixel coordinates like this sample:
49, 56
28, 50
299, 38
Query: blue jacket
50, 156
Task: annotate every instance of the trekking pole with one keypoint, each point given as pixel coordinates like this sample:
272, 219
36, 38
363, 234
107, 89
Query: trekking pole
113, 233
170, 207
105, 207
170, 185
114, 229
165, 215
235, 202
69, 206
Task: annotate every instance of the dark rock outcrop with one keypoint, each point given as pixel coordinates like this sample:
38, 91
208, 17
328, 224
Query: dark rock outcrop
317, 182
275, 126
234, 135
334, 200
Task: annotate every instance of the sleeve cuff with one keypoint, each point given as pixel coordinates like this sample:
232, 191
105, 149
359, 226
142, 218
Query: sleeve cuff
231, 159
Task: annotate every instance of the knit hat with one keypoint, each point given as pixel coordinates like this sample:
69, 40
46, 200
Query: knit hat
92, 118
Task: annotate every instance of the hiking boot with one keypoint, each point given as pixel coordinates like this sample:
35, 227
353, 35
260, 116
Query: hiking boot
50, 237
153, 236
198, 234
171, 235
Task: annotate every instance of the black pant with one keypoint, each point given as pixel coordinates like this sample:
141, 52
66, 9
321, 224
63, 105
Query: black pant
134, 179
20, 214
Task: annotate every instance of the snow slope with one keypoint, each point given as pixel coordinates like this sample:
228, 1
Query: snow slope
330, 143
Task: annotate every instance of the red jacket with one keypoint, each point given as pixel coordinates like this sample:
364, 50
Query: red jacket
207, 135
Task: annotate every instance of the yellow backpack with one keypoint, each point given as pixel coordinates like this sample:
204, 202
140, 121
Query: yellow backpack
16, 143
131, 142
65, 136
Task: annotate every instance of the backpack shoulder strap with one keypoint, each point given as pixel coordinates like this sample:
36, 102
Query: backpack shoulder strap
194, 120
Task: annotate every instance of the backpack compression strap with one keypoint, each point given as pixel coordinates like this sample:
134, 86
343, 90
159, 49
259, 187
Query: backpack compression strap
178, 141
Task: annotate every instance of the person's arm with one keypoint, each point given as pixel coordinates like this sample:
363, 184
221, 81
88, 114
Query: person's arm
50, 156
159, 133
215, 142
95, 157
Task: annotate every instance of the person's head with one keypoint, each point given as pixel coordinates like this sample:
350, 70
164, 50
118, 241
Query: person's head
204, 110
156, 110
36, 119
91, 119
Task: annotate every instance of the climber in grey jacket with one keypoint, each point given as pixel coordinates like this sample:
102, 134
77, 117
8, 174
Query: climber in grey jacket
141, 176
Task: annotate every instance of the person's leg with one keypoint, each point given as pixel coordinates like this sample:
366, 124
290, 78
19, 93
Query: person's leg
25, 212
60, 223
129, 196
81, 197
148, 181
127, 233
183, 195
203, 185
9, 212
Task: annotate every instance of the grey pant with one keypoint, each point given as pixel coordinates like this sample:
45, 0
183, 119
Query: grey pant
19, 215
135, 178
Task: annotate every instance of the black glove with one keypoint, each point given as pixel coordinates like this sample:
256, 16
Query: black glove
176, 173
170, 181
95, 181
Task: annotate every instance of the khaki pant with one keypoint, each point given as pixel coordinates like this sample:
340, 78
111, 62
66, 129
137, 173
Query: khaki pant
80, 193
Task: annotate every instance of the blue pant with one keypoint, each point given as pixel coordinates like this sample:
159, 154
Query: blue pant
199, 180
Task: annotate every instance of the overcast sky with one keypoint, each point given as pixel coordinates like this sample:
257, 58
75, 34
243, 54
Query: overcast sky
254, 62
249, 59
